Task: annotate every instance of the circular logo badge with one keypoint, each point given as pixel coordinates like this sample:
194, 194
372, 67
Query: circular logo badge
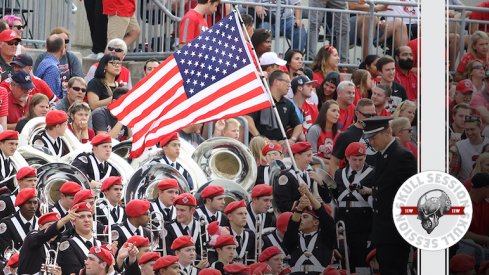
432, 210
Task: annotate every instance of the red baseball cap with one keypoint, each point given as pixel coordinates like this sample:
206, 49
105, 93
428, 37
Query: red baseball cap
138, 241
465, 86
224, 240
268, 253
83, 195
103, 254
9, 35
9, 135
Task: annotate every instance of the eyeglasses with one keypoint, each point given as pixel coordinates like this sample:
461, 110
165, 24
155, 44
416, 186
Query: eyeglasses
11, 43
19, 27
284, 80
115, 62
77, 89
407, 129
67, 41
366, 115
471, 118
114, 50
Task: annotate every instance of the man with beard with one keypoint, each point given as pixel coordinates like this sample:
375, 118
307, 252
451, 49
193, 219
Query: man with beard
404, 76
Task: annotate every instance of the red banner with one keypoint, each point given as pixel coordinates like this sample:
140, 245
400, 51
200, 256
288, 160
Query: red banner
411, 210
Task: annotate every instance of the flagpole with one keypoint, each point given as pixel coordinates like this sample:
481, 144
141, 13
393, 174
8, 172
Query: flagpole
270, 97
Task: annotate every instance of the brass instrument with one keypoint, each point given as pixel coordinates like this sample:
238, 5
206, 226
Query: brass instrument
258, 237
342, 242
9, 251
232, 191
205, 239
158, 232
51, 262
107, 215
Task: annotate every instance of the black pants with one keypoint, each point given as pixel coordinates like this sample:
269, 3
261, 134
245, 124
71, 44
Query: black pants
98, 25
393, 258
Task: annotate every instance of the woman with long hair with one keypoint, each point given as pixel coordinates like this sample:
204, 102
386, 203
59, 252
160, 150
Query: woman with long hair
475, 71
327, 89
370, 64
101, 88
38, 106
324, 130
294, 59
326, 61
477, 49
363, 84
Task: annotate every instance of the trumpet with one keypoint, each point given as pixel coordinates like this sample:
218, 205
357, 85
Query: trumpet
110, 221
341, 239
158, 231
50, 264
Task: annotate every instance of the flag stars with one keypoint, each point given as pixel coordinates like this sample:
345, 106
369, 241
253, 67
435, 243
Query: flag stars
192, 72
191, 91
202, 65
182, 61
192, 54
196, 45
220, 61
185, 53
233, 47
240, 50
236, 39
185, 71
229, 37
213, 59
202, 84
235, 66
232, 29
230, 55
228, 63
206, 76
189, 62
224, 71
226, 45
194, 82
196, 64
244, 60
198, 74
213, 78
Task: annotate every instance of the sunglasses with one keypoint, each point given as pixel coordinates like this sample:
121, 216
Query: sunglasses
77, 89
67, 41
19, 27
11, 43
115, 62
407, 129
472, 118
366, 115
114, 50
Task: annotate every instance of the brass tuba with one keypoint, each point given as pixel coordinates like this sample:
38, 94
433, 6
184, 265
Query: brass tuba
226, 158
144, 182
50, 178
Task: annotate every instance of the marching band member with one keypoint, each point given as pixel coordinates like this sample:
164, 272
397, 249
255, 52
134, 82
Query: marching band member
226, 251
212, 206
237, 269
285, 191
167, 192
130, 253
276, 237
12, 264
209, 271
171, 151
185, 223
85, 195
56, 124
271, 152
37, 242
353, 192
112, 189
99, 261
9, 140
184, 248
137, 212
245, 238
262, 197
74, 251
15, 227
26, 178
94, 165
67, 194
147, 262
167, 265
273, 257
310, 235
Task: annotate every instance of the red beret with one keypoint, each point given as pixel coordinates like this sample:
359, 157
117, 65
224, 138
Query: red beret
236, 269
48, 217
462, 263
101, 138
70, 188
82, 206
25, 195
300, 147
168, 183
8, 135
138, 241
268, 253
233, 206
185, 199
165, 261
330, 270
26, 172
261, 190
83, 195
136, 208
356, 149
328, 209
55, 117
149, 256
224, 240
271, 147
181, 242
260, 268
166, 139
371, 255
213, 228
108, 182
282, 221
209, 271
103, 254
13, 261
212, 191
483, 267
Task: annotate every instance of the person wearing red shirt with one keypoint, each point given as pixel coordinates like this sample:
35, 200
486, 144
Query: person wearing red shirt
18, 98
193, 22
404, 76
478, 49
122, 22
346, 96
380, 97
480, 16
307, 112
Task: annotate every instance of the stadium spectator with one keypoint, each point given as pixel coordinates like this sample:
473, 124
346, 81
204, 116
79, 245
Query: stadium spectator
302, 91
363, 84
326, 61
480, 16
9, 40
477, 49
149, 66
479, 102
18, 98
227, 128
346, 97
79, 113
324, 130
380, 97
48, 68
122, 22
38, 107
404, 74
192, 134
369, 63
262, 41
456, 128
77, 90
327, 89
102, 87
97, 23
407, 109
15, 23
103, 122
193, 22
475, 71
401, 129
387, 71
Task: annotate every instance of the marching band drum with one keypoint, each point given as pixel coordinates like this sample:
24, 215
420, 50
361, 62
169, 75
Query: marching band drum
220, 162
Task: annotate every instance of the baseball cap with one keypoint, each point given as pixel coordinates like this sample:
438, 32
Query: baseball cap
9, 35
270, 58
300, 81
22, 60
465, 86
23, 79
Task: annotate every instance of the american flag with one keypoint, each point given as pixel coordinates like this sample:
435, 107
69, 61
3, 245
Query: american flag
212, 77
